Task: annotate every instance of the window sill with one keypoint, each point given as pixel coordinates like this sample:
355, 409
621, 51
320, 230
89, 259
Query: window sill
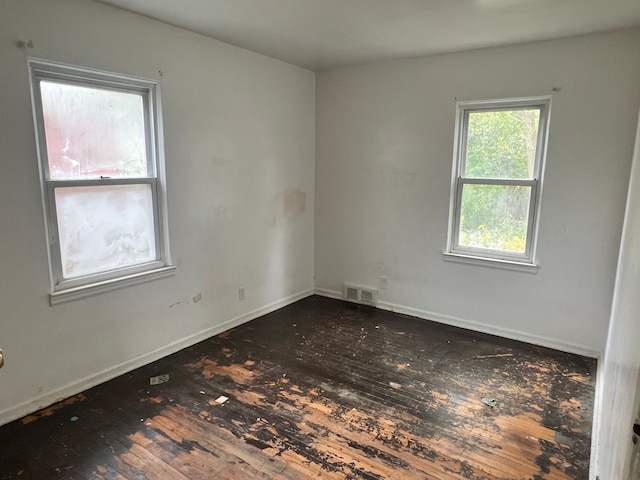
76, 293
491, 262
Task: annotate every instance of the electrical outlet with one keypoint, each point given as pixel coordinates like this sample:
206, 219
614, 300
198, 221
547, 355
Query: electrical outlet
241, 293
384, 283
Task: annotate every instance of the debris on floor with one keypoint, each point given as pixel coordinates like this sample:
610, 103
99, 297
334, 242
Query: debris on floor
394, 385
491, 402
159, 379
496, 355
221, 399
563, 440
74, 419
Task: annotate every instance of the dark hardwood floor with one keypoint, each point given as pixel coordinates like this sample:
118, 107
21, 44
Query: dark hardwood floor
323, 389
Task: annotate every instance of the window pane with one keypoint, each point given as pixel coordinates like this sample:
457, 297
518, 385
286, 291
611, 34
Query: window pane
92, 132
105, 227
502, 144
494, 217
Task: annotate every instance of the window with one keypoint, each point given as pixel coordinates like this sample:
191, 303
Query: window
495, 194
99, 147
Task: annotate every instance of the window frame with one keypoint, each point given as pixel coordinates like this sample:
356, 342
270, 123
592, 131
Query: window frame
484, 256
65, 289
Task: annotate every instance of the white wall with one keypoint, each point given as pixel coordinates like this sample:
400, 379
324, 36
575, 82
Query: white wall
383, 169
621, 365
239, 135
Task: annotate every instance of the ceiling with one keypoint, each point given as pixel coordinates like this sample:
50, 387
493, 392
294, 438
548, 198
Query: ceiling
321, 34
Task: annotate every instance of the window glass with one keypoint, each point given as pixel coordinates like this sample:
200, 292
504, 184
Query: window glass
494, 217
92, 132
502, 143
103, 228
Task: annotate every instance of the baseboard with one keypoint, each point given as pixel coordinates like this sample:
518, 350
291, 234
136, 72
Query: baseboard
477, 326
49, 398
329, 293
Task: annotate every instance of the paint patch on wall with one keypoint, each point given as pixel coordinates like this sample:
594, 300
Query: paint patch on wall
223, 212
287, 205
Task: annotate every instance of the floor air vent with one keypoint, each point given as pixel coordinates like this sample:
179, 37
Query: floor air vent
356, 294
351, 293
368, 296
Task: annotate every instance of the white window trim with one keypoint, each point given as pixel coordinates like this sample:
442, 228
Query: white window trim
63, 290
496, 258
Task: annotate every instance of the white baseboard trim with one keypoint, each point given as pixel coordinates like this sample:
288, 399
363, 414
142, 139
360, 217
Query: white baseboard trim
49, 398
477, 326
329, 293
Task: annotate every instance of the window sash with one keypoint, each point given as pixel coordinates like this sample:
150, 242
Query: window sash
459, 179
486, 252
61, 283
87, 79
464, 128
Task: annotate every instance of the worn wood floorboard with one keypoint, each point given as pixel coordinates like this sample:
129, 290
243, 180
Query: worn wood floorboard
323, 389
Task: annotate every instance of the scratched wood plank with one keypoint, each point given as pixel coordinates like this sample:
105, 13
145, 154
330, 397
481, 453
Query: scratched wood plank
323, 389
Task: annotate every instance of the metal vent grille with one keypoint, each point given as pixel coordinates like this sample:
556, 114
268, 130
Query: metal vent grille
351, 293
368, 297
357, 294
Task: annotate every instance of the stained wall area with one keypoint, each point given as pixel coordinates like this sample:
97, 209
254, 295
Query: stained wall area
239, 146
383, 175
